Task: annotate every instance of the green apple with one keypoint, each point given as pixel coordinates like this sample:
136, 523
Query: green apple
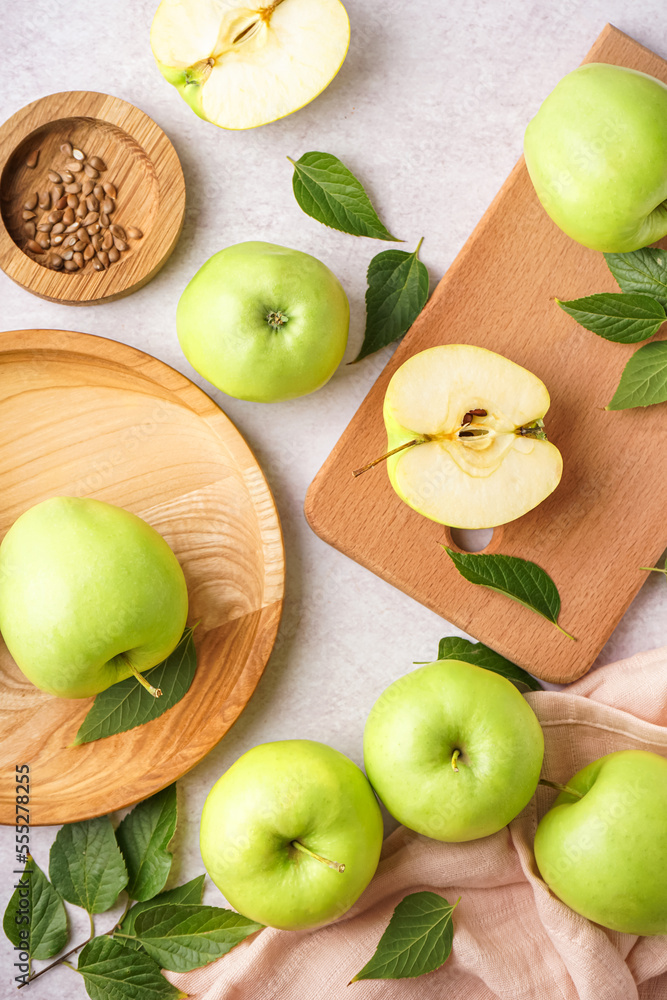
602, 848
596, 152
291, 834
466, 440
454, 751
89, 595
263, 322
240, 66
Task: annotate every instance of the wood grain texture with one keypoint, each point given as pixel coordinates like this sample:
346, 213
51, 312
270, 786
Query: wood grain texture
604, 521
141, 162
85, 416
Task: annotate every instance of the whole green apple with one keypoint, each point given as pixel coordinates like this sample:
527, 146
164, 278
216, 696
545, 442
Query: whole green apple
596, 152
89, 594
291, 834
454, 751
264, 322
603, 850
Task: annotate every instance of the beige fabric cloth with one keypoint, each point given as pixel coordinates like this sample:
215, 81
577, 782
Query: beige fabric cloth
513, 939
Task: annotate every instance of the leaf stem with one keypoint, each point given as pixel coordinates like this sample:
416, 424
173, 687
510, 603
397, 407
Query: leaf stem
318, 857
122, 916
561, 788
58, 961
561, 629
653, 569
92, 925
382, 458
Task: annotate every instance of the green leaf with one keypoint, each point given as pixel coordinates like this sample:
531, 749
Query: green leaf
327, 191
35, 919
190, 892
523, 581
182, 938
644, 378
112, 972
127, 704
396, 294
143, 837
643, 271
86, 865
418, 939
625, 319
452, 647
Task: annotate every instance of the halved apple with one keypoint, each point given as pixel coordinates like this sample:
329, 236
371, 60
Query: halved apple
240, 66
466, 429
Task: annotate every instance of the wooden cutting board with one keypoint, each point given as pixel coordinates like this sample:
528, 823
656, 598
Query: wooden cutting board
85, 416
607, 517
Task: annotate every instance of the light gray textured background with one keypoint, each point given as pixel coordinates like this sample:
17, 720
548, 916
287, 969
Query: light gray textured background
429, 110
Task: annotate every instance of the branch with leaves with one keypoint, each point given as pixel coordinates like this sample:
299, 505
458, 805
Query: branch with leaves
91, 866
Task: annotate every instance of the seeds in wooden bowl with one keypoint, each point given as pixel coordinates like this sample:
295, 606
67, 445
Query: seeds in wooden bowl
77, 216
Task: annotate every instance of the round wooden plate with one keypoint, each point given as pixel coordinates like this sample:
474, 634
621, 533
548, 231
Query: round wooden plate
141, 163
85, 416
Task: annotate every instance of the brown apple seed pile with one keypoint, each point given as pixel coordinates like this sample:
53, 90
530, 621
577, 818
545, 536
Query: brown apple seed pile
75, 224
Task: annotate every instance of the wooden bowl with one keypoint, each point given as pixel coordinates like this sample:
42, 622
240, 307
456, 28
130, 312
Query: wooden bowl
85, 416
141, 163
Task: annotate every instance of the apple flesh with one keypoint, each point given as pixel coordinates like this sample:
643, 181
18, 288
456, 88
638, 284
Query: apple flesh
596, 152
273, 821
479, 455
264, 322
453, 751
239, 66
89, 595
605, 854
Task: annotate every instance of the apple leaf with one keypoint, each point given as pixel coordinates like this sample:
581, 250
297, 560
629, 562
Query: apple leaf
396, 294
523, 581
127, 704
86, 865
616, 316
143, 837
35, 919
113, 972
418, 939
453, 647
643, 271
190, 892
327, 191
644, 378
183, 937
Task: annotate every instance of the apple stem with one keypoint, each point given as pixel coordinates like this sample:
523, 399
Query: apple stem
560, 788
382, 458
455, 757
318, 857
156, 692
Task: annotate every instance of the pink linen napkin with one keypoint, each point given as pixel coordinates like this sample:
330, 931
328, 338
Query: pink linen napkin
513, 939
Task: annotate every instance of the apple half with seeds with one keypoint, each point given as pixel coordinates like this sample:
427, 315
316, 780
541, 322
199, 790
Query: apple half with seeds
241, 66
467, 445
